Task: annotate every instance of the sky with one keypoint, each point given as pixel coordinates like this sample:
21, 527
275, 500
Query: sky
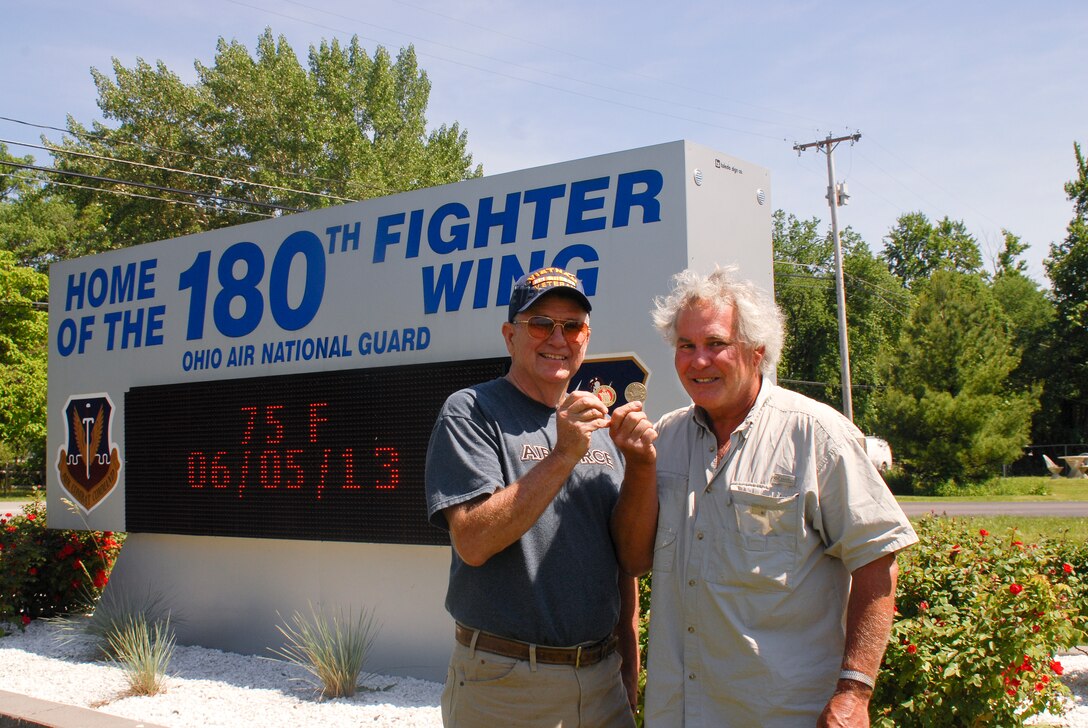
967, 110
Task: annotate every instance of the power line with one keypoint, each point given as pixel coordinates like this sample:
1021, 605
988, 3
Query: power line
103, 138
524, 80
835, 197
137, 195
146, 165
504, 62
158, 188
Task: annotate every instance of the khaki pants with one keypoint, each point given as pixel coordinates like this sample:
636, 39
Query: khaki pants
490, 691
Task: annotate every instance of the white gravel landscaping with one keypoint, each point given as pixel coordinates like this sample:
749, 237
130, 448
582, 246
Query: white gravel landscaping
213, 688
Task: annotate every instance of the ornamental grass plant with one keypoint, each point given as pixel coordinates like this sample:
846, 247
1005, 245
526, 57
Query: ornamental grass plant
142, 649
114, 611
332, 649
980, 620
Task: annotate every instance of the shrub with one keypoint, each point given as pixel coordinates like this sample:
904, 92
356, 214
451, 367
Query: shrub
142, 649
332, 649
114, 612
44, 572
979, 621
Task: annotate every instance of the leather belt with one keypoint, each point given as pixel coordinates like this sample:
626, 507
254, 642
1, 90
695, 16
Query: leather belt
582, 656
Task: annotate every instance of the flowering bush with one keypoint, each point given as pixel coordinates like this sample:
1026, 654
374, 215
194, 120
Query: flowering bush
979, 619
45, 571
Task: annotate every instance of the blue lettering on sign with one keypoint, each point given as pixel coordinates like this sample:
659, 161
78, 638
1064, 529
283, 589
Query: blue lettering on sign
119, 284
449, 284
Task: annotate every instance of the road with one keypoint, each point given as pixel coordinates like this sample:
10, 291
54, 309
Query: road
1068, 509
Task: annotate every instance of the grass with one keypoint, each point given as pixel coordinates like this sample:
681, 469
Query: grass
115, 611
19, 492
1019, 489
332, 649
1031, 528
143, 651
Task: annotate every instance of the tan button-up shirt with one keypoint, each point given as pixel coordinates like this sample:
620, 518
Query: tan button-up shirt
752, 562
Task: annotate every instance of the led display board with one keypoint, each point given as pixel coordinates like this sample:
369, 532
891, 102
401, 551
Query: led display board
330, 456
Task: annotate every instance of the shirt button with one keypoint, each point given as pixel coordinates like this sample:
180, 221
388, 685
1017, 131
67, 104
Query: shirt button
691, 676
691, 630
691, 582
699, 535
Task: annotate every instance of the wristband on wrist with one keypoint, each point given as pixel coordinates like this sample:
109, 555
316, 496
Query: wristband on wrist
856, 676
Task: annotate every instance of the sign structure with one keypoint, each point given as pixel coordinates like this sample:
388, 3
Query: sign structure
420, 278
278, 380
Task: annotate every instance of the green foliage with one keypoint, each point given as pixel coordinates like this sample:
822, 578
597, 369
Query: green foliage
948, 407
332, 649
24, 333
265, 129
1066, 393
979, 619
113, 612
877, 305
44, 572
38, 226
915, 248
142, 649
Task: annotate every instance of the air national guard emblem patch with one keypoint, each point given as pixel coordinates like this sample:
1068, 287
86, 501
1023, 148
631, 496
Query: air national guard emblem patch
89, 466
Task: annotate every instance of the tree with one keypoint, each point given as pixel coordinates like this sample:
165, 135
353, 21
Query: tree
36, 225
1066, 392
1031, 324
24, 351
1009, 260
915, 248
876, 306
259, 135
949, 406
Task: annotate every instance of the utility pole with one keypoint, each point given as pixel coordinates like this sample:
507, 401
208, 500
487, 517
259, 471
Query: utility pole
836, 195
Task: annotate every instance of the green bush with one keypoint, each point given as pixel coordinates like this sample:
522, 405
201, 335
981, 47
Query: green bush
979, 619
333, 649
142, 649
45, 572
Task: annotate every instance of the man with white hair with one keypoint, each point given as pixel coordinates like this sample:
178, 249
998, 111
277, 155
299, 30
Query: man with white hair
771, 535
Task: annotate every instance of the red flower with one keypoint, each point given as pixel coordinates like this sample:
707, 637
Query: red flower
911, 649
77, 564
1044, 679
1067, 568
923, 606
1039, 687
26, 619
983, 532
1057, 667
33, 571
7, 515
1018, 543
100, 579
1010, 691
1015, 588
30, 517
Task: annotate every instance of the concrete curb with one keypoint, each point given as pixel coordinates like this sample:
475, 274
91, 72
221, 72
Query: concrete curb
19, 711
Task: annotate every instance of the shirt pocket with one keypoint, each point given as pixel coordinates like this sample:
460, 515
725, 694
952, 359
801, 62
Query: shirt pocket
672, 493
760, 548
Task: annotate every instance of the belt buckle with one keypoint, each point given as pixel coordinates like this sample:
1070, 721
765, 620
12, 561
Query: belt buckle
578, 657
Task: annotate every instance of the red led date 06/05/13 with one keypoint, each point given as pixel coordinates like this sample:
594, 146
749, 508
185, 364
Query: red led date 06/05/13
271, 469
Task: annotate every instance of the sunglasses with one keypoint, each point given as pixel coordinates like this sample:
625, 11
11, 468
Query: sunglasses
541, 327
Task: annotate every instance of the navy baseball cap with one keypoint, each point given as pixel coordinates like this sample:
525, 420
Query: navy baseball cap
532, 286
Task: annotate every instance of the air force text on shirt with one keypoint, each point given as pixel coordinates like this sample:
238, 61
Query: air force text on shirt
531, 453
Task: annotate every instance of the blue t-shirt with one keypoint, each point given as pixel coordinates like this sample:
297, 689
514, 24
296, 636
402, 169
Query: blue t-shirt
556, 585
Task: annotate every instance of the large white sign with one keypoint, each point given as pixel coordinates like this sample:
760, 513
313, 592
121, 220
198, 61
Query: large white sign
415, 278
